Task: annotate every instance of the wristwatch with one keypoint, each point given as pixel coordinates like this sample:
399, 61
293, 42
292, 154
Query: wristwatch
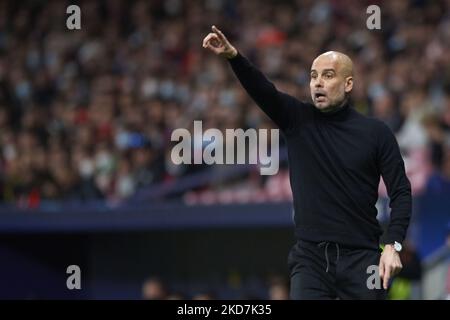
397, 246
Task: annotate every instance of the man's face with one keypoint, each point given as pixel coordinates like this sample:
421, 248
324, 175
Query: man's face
329, 83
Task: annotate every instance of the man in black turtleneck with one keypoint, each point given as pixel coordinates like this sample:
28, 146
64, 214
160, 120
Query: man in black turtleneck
336, 158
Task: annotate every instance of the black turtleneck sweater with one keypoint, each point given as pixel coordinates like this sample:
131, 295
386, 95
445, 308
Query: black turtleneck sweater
335, 164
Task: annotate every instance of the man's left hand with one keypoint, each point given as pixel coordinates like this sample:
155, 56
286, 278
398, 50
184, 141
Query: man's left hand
390, 264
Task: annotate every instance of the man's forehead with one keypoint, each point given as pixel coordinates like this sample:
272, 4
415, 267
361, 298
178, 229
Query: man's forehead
322, 63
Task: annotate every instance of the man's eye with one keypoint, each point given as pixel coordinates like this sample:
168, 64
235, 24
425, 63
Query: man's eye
328, 76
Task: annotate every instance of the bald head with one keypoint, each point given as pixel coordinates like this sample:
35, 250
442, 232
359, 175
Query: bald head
342, 61
331, 80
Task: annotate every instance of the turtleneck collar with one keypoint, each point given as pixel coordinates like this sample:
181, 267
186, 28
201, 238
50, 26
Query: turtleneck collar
339, 114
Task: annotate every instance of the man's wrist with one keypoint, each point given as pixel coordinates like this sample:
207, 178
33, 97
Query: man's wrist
389, 250
396, 246
233, 54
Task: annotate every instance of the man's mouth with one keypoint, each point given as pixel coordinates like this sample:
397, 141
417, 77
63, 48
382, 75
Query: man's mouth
320, 97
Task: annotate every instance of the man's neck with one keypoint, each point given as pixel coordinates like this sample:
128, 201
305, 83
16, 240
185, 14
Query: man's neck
333, 109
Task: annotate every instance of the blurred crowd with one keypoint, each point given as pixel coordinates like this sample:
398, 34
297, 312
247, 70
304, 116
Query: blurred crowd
88, 114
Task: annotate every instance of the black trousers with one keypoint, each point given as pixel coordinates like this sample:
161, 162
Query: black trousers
328, 270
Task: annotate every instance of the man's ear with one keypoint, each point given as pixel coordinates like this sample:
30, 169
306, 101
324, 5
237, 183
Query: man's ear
348, 84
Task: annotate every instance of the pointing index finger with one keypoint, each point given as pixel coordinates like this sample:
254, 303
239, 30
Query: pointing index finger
386, 278
219, 33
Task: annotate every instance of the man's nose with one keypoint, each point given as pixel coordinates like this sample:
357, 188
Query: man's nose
319, 83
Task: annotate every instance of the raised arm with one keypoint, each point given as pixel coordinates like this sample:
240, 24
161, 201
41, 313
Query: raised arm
279, 106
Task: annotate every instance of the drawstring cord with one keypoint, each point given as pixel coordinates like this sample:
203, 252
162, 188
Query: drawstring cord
326, 244
320, 245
